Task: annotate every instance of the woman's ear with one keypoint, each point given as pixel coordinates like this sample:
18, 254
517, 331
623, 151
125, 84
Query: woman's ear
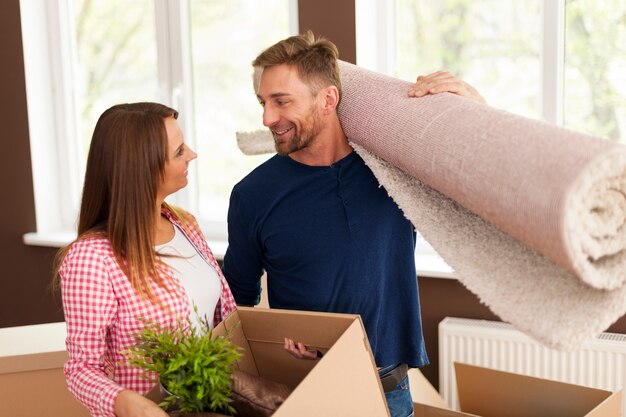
331, 99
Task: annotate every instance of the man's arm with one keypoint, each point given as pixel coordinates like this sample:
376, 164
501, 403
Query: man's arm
441, 81
243, 266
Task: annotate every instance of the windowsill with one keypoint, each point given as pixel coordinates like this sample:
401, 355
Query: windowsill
432, 265
428, 264
50, 240
58, 240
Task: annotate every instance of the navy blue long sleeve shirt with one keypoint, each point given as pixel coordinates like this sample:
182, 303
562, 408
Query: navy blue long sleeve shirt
331, 240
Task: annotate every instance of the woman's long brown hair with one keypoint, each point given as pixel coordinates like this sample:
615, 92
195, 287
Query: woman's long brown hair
126, 162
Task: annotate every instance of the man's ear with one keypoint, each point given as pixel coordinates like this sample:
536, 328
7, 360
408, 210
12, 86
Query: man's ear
331, 99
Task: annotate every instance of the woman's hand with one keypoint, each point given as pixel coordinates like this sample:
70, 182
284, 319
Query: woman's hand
131, 404
441, 81
299, 350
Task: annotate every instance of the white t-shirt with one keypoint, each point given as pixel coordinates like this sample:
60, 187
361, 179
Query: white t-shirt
201, 282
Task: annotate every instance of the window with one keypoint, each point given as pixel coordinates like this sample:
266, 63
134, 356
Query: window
82, 56
224, 101
560, 60
115, 58
494, 43
595, 67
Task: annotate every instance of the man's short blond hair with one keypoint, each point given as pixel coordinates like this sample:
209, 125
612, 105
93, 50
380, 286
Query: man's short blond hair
315, 59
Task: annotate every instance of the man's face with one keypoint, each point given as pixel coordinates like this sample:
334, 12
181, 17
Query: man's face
290, 110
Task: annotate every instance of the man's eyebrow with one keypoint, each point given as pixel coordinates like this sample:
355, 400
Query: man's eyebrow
273, 95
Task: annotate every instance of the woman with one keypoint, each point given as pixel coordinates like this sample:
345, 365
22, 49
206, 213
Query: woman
135, 259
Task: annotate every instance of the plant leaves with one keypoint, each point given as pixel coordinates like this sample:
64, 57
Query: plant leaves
190, 364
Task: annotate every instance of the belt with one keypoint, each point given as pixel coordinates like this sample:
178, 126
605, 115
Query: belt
392, 379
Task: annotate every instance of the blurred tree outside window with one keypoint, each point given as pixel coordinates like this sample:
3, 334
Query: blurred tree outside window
595, 67
493, 44
116, 58
496, 46
225, 37
116, 62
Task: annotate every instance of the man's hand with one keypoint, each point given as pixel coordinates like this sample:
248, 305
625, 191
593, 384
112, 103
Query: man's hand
299, 350
441, 81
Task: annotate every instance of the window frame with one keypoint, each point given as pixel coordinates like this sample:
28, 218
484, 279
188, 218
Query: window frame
375, 44
49, 59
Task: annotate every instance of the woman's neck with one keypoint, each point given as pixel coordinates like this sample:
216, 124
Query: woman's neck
163, 228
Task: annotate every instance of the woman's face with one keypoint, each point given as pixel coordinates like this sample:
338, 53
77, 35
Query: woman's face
178, 157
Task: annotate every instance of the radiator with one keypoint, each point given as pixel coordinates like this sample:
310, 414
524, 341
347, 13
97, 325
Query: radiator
599, 363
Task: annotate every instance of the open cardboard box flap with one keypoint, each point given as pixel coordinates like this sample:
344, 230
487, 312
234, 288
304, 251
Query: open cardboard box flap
425, 410
490, 393
424, 393
427, 402
344, 382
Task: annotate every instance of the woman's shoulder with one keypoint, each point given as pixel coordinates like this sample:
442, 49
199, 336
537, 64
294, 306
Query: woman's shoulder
180, 216
188, 223
85, 254
97, 246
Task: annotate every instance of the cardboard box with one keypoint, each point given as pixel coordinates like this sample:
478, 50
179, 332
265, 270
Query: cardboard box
490, 393
424, 410
343, 383
31, 373
423, 392
486, 392
427, 400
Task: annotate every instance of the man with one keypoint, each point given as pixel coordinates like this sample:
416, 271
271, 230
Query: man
314, 218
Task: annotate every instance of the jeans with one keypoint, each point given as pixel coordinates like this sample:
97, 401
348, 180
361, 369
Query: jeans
399, 401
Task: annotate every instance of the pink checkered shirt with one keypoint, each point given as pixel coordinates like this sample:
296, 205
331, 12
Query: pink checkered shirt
101, 314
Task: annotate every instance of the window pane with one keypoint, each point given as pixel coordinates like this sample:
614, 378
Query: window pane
595, 67
116, 57
226, 36
492, 44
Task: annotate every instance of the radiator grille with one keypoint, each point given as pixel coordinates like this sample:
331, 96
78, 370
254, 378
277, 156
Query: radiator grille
599, 363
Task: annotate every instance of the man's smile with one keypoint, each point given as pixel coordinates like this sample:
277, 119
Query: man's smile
281, 132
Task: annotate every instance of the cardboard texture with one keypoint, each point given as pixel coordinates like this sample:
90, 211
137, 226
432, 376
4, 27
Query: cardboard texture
490, 393
31, 373
36, 376
38, 393
423, 392
424, 410
344, 382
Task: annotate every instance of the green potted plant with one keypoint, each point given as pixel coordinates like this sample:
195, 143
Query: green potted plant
193, 369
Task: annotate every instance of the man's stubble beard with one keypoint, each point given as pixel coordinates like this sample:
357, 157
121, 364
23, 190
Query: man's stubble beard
305, 137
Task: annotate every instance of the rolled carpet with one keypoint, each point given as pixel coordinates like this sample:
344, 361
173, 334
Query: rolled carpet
560, 192
530, 216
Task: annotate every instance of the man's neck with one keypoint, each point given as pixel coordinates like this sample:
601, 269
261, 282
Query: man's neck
329, 146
